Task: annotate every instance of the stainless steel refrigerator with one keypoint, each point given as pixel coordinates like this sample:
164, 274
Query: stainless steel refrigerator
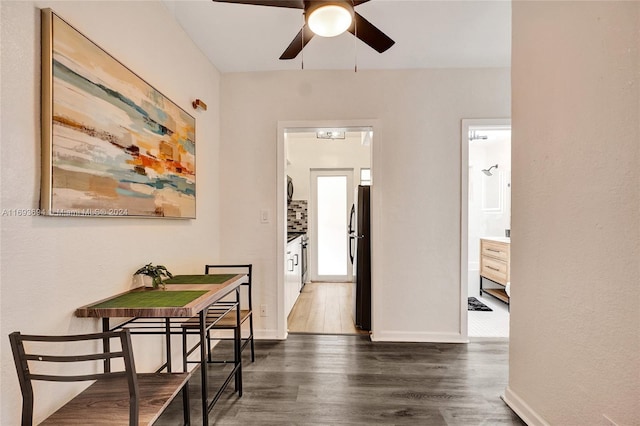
360, 254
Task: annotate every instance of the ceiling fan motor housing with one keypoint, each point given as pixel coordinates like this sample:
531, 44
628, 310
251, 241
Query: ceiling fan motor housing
328, 18
311, 5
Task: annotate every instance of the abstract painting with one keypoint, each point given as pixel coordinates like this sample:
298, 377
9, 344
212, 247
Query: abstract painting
112, 144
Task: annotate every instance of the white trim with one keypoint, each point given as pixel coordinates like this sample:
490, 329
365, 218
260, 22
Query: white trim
422, 337
267, 334
281, 231
281, 213
466, 124
522, 409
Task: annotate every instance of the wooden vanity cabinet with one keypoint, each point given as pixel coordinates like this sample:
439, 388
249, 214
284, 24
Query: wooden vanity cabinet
494, 266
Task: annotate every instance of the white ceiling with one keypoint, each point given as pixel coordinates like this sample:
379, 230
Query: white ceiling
428, 34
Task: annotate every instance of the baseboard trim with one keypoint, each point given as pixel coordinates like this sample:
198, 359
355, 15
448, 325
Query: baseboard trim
420, 337
522, 409
266, 334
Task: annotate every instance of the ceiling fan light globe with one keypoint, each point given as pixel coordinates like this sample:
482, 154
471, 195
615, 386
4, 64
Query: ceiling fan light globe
330, 20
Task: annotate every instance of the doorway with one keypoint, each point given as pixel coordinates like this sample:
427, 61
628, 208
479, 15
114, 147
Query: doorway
324, 165
486, 219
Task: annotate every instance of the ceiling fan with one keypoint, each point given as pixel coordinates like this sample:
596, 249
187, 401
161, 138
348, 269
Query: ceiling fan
326, 18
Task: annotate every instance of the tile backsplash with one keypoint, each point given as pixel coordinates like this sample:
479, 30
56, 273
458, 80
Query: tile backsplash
297, 216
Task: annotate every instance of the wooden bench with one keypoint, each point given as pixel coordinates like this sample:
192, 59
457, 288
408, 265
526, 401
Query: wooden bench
115, 398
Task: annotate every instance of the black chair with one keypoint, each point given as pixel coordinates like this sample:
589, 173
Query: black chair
219, 319
118, 397
229, 321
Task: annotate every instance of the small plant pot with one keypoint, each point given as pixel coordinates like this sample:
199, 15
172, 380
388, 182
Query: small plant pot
152, 275
146, 280
150, 282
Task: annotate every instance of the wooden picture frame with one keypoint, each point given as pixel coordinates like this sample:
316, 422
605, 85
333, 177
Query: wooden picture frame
112, 145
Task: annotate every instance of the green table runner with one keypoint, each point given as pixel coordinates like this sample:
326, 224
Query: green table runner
151, 299
199, 279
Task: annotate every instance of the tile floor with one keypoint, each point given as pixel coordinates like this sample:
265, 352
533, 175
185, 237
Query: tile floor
489, 324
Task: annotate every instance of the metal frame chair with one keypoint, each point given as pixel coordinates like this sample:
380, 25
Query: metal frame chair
147, 394
220, 318
229, 321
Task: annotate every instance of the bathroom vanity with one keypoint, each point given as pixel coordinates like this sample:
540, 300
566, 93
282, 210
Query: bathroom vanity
495, 255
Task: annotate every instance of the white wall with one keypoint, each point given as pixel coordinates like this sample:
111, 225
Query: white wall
306, 152
575, 322
416, 161
52, 265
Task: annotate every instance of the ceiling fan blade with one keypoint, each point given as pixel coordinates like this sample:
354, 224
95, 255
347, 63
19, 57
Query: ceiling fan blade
298, 43
292, 4
358, 2
370, 34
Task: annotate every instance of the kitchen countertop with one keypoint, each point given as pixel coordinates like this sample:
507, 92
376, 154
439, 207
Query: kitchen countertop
293, 235
499, 239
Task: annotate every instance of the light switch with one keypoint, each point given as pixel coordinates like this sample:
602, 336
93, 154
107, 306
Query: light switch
264, 216
298, 215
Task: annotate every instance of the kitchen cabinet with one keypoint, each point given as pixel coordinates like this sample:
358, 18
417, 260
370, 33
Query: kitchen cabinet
293, 274
495, 254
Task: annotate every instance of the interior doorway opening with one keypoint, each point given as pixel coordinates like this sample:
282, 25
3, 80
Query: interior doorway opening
486, 225
324, 167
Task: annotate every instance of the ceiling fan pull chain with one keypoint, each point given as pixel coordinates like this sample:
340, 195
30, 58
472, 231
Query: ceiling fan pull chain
304, 24
355, 46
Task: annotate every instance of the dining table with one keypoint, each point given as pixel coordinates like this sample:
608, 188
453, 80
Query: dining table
163, 311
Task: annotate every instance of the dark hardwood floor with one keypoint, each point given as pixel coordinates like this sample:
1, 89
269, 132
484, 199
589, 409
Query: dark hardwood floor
349, 380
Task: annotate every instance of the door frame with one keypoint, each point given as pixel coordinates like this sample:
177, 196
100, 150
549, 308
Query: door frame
313, 221
466, 125
281, 204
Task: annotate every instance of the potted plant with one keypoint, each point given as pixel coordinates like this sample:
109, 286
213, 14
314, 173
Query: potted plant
155, 272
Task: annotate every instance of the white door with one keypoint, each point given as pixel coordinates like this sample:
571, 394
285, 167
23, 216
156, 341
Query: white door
331, 200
